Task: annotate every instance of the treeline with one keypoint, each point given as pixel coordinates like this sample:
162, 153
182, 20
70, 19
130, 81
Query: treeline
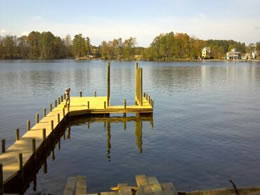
165, 47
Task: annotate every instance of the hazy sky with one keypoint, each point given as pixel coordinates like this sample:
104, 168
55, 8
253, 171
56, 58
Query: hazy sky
143, 19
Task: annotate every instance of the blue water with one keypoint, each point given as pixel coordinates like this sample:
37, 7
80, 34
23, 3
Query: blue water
206, 122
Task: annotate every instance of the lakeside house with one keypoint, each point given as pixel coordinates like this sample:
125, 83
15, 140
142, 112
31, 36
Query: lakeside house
206, 53
233, 55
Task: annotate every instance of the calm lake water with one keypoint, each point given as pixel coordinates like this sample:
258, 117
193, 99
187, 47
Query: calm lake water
206, 122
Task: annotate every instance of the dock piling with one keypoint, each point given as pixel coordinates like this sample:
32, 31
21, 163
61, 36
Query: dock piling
44, 112
80, 94
55, 103
28, 125
50, 107
105, 104
58, 118
3, 145
63, 112
44, 134
37, 117
61, 98
52, 125
20, 161
17, 134
95, 94
88, 105
58, 100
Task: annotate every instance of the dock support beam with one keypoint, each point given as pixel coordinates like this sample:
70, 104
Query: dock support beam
108, 83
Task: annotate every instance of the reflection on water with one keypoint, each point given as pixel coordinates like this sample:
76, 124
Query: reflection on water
206, 120
65, 134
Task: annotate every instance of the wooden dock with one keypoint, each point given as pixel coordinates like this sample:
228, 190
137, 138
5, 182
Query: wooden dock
15, 160
145, 186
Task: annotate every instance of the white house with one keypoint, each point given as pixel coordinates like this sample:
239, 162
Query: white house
206, 52
233, 55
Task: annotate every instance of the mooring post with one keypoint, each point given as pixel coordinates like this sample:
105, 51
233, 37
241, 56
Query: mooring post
105, 104
58, 118
95, 94
80, 94
88, 105
20, 161
50, 107
108, 83
37, 117
3, 145
17, 134
61, 98
64, 96
63, 111
44, 112
58, 100
55, 103
28, 125
44, 134
52, 125
1, 180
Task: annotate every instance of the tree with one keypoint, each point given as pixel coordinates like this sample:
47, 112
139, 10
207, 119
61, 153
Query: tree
46, 44
34, 45
79, 46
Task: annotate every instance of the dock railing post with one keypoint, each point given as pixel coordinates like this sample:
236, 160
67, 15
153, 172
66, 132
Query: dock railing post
50, 107
95, 94
88, 105
37, 117
61, 98
3, 145
20, 162
63, 111
28, 125
105, 104
44, 134
80, 94
55, 103
52, 125
108, 83
44, 112
58, 118
1, 180
17, 134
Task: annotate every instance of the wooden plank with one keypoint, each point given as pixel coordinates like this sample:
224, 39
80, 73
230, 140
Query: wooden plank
152, 180
155, 185
70, 186
141, 180
125, 190
81, 185
168, 189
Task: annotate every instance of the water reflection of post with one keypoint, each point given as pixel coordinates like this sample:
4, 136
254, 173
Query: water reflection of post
139, 134
108, 140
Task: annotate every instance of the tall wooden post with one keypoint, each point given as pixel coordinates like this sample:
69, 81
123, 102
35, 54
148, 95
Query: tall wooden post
17, 134
141, 86
136, 79
108, 83
37, 117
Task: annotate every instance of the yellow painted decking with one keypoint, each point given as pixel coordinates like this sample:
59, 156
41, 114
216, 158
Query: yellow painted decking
78, 106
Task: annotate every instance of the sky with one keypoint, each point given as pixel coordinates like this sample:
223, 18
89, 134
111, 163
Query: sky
100, 20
